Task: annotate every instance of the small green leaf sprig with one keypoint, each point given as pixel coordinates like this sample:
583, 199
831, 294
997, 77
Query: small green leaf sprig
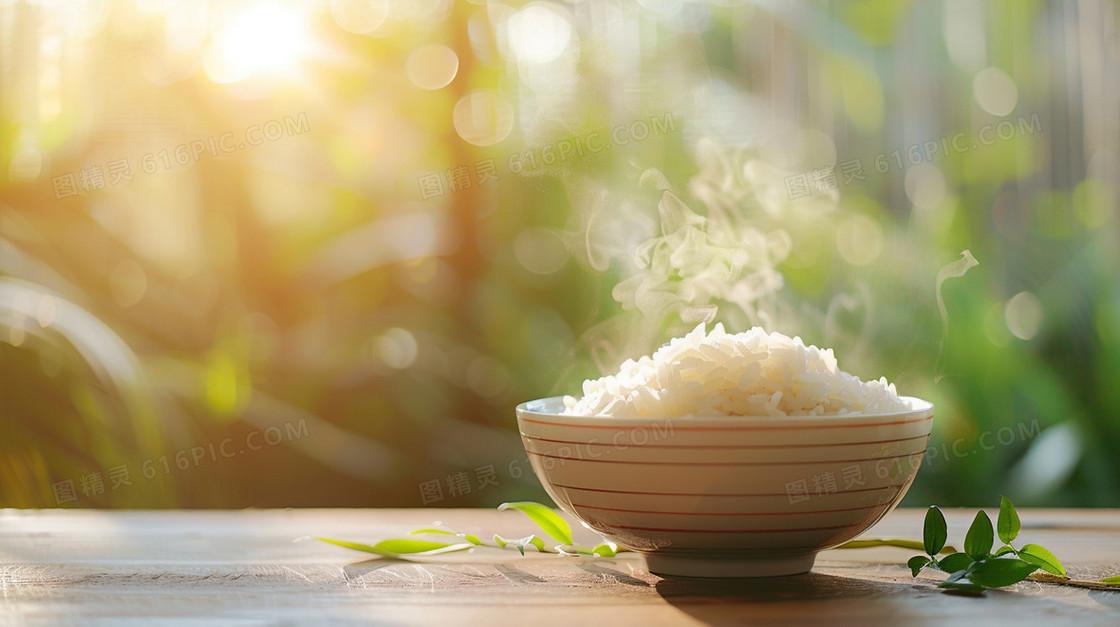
547, 520
978, 567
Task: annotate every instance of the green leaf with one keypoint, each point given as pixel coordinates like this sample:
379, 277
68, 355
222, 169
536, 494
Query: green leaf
1111, 580
1007, 524
473, 539
955, 562
549, 521
935, 531
917, 563
961, 583
1004, 550
978, 541
439, 531
1000, 572
521, 543
607, 549
1042, 558
397, 548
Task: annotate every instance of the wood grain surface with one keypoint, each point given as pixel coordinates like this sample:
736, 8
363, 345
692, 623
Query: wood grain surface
243, 567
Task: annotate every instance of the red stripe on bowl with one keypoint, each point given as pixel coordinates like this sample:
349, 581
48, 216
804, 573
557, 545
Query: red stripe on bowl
791, 513
725, 446
656, 463
771, 428
719, 494
669, 530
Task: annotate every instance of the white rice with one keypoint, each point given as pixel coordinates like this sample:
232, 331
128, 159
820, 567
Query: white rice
743, 374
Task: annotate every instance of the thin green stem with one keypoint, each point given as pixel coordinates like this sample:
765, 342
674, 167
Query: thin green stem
1076, 583
898, 542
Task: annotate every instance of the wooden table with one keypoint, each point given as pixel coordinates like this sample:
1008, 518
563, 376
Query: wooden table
100, 567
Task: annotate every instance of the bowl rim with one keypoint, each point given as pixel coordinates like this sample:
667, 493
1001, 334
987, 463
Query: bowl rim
551, 407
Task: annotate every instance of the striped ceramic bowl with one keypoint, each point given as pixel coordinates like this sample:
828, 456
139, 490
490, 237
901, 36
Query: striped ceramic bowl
729, 496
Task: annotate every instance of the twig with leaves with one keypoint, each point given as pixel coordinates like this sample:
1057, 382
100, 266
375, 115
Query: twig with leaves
549, 522
979, 568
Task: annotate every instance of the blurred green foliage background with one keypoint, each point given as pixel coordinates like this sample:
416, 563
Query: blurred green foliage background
309, 254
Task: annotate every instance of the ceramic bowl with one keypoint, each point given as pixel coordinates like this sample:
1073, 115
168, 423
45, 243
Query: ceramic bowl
728, 496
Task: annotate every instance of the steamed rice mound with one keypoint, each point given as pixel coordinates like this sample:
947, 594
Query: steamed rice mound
754, 373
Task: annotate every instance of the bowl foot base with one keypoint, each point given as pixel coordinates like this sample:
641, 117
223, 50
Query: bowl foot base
728, 566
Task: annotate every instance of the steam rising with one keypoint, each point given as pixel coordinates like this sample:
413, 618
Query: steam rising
688, 264
953, 270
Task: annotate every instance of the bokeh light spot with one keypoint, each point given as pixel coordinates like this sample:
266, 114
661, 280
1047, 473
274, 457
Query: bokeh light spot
540, 251
538, 33
863, 96
397, 348
995, 91
16, 335
965, 37
1051, 459
483, 117
46, 311
487, 377
426, 12
1093, 202
432, 66
1023, 315
859, 240
359, 16
925, 186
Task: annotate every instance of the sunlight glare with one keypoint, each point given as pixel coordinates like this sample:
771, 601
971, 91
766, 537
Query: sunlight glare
265, 39
539, 33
